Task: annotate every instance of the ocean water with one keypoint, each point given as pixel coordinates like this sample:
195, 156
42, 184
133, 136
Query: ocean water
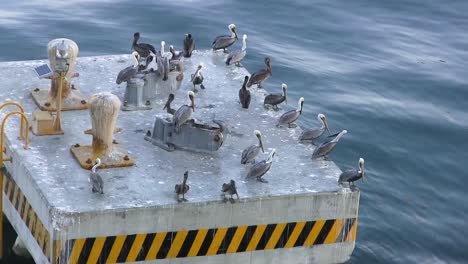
393, 73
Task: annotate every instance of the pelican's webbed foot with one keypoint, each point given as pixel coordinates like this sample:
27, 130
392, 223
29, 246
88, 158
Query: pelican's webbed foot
292, 125
202, 86
232, 200
262, 180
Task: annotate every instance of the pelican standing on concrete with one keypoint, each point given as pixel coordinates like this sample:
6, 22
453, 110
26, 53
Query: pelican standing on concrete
352, 175
291, 116
244, 94
314, 133
129, 72
249, 154
143, 49
261, 75
225, 41
230, 188
167, 106
276, 99
325, 148
184, 113
176, 56
95, 179
197, 78
236, 56
260, 168
182, 188
188, 45
163, 52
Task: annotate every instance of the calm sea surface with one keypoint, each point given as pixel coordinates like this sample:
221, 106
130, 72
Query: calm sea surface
393, 73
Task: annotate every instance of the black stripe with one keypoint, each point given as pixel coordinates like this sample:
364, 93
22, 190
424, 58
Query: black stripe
266, 236
127, 245
88, 245
206, 242
20, 194
185, 249
21, 211
146, 246
246, 239
285, 235
7, 184
304, 234
46, 245
166, 245
33, 219
66, 251
28, 218
324, 232
227, 240
345, 230
106, 249
12, 191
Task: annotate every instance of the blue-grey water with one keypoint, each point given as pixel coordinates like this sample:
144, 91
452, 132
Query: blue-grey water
393, 73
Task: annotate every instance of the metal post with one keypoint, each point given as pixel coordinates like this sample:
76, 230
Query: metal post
58, 107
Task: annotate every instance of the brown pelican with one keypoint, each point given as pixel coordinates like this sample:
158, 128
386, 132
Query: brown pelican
236, 56
244, 94
325, 148
352, 175
315, 133
176, 56
197, 78
230, 188
225, 41
184, 113
261, 75
260, 168
276, 99
182, 188
291, 116
188, 45
249, 154
143, 49
167, 106
129, 72
95, 179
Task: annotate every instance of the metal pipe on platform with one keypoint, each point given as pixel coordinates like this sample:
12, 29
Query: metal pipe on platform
21, 109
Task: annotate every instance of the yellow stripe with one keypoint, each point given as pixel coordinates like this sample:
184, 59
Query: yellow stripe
201, 234
352, 233
116, 248
275, 236
26, 209
37, 230
41, 235
256, 237
57, 249
236, 240
21, 201
217, 240
177, 243
47, 245
32, 219
334, 232
76, 251
314, 232
15, 195
157, 242
295, 234
136, 247
96, 250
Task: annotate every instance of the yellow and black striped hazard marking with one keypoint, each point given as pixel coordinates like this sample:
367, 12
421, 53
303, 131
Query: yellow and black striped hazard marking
204, 242
27, 214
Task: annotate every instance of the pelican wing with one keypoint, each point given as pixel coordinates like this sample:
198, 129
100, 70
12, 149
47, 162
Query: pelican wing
258, 76
288, 117
250, 153
126, 74
274, 99
244, 98
259, 169
311, 133
349, 175
222, 42
324, 149
182, 115
235, 56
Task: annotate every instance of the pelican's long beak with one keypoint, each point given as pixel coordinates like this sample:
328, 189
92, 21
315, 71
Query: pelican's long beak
326, 125
261, 144
193, 105
363, 173
235, 32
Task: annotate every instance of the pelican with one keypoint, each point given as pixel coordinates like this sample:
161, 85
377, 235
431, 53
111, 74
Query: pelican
352, 175
230, 188
163, 52
95, 178
225, 41
325, 148
261, 75
260, 168
182, 188
276, 99
291, 116
197, 78
188, 45
143, 49
249, 154
163, 66
236, 56
244, 94
129, 72
184, 113
176, 56
167, 106
315, 133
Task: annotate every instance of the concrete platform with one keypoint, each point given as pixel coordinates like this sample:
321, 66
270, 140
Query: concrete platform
300, 216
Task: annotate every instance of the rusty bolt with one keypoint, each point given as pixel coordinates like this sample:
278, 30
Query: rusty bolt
77, 145
47, 104
89, 161
126, 157
148, 102
36, 90
83, 101
148, 133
